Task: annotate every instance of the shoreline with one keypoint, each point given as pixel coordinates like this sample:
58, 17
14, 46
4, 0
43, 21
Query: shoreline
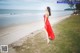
13, 34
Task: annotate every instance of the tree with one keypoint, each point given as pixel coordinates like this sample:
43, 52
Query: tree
71, 6
71, 3
77, 6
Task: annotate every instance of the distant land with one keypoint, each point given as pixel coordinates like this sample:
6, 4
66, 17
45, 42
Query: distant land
70, 9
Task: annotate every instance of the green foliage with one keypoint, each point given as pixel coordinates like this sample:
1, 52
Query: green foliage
77, 6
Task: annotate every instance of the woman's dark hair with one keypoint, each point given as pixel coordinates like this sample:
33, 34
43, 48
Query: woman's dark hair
49, 10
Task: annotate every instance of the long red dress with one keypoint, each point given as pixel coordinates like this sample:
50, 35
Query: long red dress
49, 28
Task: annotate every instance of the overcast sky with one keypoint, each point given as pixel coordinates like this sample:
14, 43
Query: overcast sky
31, 4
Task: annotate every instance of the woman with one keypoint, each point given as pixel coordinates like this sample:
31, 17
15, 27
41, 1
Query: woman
48, 28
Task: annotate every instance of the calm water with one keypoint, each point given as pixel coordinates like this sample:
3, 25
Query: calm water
13, 17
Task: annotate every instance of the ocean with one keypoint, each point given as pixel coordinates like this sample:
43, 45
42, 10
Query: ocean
9, 17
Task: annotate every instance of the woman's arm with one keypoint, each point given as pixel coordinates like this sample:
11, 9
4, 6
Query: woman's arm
46, 17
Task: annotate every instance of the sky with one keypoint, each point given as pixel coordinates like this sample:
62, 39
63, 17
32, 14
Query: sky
32, 4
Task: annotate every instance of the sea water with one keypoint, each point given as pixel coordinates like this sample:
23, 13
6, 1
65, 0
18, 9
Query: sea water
10, 17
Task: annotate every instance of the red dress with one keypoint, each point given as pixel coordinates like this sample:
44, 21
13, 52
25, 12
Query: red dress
48, 28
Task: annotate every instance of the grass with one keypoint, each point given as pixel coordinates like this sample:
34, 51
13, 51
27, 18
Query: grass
68, 36
67, 39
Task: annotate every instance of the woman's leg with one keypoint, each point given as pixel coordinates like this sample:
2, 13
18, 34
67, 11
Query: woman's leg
46, 35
